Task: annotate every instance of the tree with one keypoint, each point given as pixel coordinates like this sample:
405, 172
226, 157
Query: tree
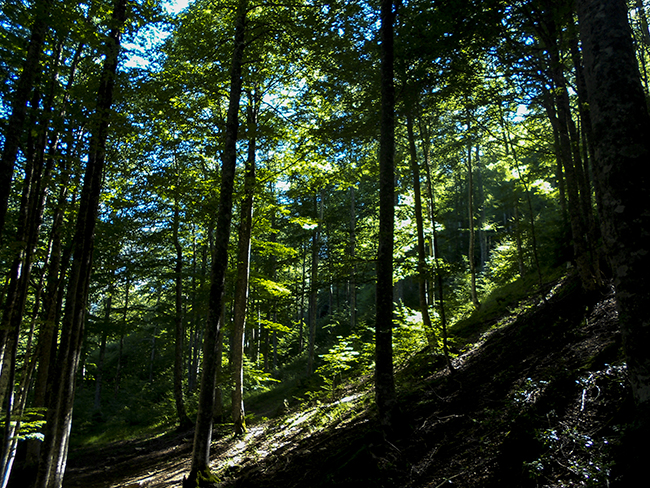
200, 468
621, 125
243, 272
22, 93
384, 381
59, 414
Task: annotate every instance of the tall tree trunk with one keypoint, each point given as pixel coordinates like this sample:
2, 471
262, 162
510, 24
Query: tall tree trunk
352, 292
59, 414
472, 234
577, 192
303, 292
99, 377
384, 380
179, 327
440, 302
243, 273
21, 95
313, 287
200, 468
52, 305
621, 125
123, 332
419, 225
482, 235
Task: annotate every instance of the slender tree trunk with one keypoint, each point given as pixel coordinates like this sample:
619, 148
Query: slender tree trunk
179, 327
52, 305
482, 235
645, 32
579, 208
419, 225
99, 378
440, 302
243, 273
123, 331
353, 271
621, 125
200, 468
384, 380
59, 415
219, 414
313, 282
303, 292
472, 234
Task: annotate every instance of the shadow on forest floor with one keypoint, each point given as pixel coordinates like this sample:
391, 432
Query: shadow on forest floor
538, 399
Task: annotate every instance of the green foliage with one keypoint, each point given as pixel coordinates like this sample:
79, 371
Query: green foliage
256, 379
502, 268
339, 359
409, 335
32, 423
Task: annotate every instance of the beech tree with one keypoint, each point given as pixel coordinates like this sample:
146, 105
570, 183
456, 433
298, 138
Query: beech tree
621, 125
200, 469
384, 381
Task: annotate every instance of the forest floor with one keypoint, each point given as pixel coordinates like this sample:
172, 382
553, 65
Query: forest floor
538, 398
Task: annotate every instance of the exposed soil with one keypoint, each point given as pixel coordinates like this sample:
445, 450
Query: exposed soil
538, 400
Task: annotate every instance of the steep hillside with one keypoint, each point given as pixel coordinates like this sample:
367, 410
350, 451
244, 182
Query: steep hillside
538, 398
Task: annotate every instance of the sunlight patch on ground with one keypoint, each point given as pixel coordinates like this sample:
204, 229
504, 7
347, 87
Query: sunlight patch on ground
272, 437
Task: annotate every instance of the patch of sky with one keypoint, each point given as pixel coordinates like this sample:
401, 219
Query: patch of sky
520, 114
149, 39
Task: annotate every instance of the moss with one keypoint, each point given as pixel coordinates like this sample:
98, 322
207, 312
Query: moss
200, 479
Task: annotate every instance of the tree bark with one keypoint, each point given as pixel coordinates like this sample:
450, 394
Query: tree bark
419, 225
179, 327
384, 380
243, 274
352, 283
621, 125
472, 235
313, 286
440, 302
200, 468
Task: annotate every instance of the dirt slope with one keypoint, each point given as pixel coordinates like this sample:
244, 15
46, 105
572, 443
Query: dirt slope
538, 401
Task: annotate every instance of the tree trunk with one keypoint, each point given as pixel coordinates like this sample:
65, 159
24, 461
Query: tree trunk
200, 468
99, 378
472, 234
123, 331
179, 328
303, 292
440, 302
578, 208
52, 305
352, 291
419, 225
482, 234
243, 273
313, 282
621, 126
21, 95
384, 380
59, 414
